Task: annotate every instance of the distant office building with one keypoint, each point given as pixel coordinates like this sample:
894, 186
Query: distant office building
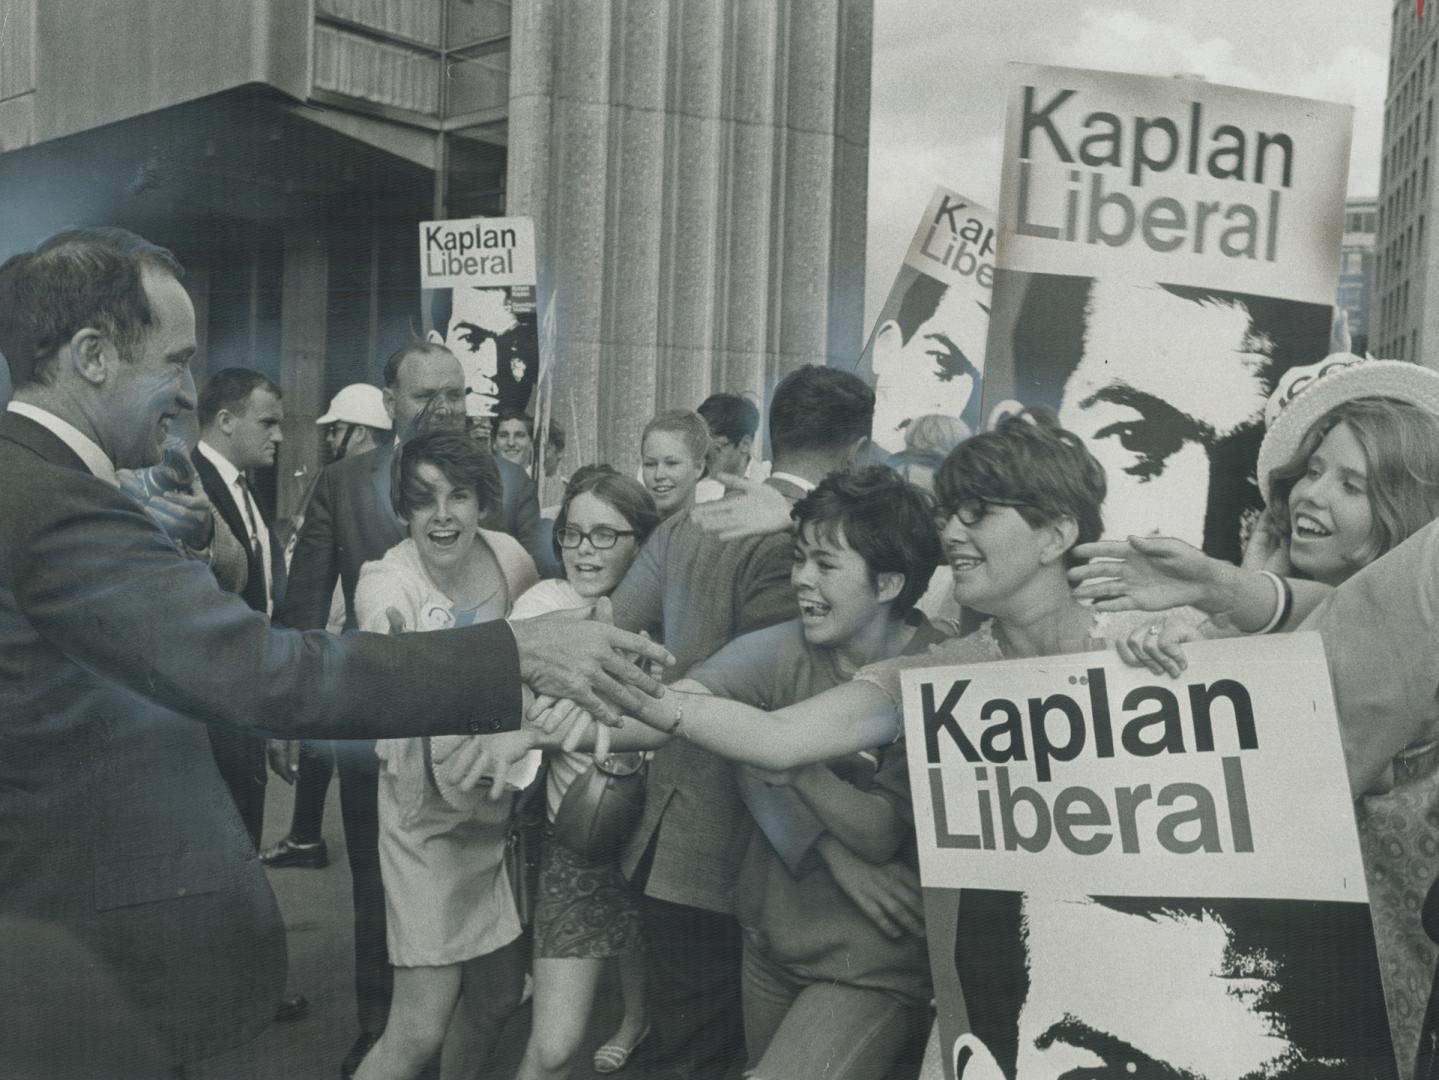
698, 176
1404, 307
1356, 268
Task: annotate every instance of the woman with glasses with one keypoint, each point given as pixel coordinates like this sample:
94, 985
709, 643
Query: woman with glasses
585, 912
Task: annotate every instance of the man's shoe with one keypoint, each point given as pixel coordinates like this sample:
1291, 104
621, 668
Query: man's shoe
291, 1008
357, 1053
289, 853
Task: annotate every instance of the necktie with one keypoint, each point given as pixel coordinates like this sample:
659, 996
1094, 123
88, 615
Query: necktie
254, 553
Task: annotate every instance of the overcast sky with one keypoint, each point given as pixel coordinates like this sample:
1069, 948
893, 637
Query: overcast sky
937, 104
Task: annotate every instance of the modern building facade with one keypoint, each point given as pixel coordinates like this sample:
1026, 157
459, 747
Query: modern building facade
1356, 269
1404, 311
697, 173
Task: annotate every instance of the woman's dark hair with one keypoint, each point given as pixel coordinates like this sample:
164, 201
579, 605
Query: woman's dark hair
887, 521
1029, 459
604, 482
512, 413
1401, 449
464, 463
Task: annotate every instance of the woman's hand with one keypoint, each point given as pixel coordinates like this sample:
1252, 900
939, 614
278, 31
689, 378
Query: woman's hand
1146, 573
1158, 646
486, 758
1267, 548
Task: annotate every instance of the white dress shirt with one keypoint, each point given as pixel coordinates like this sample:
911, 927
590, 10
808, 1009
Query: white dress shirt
249, 513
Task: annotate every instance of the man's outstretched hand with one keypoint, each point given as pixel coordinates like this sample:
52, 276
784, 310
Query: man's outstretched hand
601, 668
749, 508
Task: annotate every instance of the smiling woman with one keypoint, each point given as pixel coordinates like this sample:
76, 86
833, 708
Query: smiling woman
673, 450
450, 911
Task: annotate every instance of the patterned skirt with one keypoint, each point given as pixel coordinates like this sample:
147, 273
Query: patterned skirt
584, 910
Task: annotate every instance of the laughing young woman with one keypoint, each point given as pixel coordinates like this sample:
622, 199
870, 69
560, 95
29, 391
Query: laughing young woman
1351, 466
452, 924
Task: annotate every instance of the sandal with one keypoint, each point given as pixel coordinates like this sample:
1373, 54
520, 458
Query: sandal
612, 1057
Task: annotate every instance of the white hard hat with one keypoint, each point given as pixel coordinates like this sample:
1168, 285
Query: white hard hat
358, 403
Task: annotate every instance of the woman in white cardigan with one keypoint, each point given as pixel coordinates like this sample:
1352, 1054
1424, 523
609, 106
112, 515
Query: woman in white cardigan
452, 921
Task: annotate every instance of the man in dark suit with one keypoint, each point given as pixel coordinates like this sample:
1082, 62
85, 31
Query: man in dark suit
240, 413
117, 840
350, 522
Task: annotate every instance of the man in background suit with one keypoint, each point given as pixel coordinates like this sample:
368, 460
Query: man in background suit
128, 886
240, 413
350, 522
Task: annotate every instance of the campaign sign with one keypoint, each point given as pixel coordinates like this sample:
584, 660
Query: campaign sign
926, 353
1127, 874
1167, 249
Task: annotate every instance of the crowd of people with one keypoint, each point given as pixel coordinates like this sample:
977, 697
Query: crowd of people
743, 847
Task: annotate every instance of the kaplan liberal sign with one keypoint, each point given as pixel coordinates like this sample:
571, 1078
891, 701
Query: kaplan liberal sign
477, 252
1167, 249
1120, 868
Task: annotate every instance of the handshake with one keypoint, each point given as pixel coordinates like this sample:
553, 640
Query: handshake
586, 676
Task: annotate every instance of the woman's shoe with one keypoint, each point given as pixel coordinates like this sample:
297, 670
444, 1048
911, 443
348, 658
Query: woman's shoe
612, 1057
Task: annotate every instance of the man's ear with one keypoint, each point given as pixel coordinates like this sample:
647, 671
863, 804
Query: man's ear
973, 1061
888, 586
387, 396
746, 445
888, 341
86, 353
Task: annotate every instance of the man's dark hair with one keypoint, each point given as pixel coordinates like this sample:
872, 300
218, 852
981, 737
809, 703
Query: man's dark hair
920, 302
887, 521
76, 279
405, 351
512, 414
730, 416
230, 389
818, 408
464, 463
1320, 955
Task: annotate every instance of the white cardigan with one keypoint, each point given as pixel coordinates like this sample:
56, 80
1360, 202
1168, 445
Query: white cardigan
398, 581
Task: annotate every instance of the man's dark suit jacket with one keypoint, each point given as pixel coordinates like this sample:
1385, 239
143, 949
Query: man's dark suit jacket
233, 515
351, 521
117, 837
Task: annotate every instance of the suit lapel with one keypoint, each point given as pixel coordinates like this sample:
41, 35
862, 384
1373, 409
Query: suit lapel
39, 440
222, 499
380, 475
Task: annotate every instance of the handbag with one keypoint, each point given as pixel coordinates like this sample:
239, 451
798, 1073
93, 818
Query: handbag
522, 853
603, 807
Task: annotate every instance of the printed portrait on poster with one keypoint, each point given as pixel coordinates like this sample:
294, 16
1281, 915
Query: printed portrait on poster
926, 354
1166, 987
1166, 384
493, 332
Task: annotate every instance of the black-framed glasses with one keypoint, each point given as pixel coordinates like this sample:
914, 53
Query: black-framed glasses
972, 509
600, 537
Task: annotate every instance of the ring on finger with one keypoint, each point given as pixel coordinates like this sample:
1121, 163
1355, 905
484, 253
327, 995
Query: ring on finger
1153, 631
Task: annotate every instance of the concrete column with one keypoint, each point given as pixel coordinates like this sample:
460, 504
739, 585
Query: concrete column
306, 282
697, 171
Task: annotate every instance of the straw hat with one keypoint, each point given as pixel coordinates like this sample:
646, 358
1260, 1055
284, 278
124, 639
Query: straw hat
1304, 394
358, 403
